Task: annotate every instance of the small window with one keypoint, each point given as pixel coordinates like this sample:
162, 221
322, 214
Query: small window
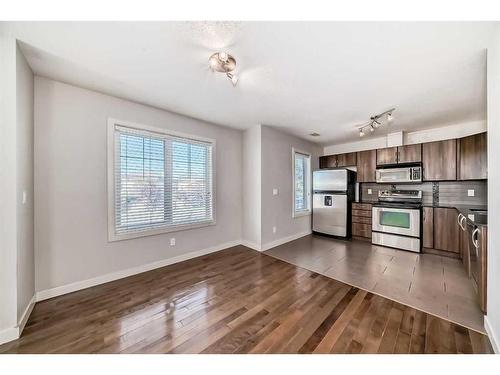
159, 181
301, 183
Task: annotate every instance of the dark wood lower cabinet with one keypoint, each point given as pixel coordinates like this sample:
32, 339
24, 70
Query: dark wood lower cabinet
446, 230
362, 220
428, 227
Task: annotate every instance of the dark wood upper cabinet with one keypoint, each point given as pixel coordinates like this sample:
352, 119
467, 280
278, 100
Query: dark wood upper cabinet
387, 155
410, 153
439, 160
428, 227
329, 161
472, 157
366, 165
446, 230
346, 160
401, 154
340, 160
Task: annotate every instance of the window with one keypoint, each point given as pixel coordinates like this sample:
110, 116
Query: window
301, 183
158, 181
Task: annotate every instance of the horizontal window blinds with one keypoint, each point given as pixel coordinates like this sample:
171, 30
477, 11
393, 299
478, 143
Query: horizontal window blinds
161, 181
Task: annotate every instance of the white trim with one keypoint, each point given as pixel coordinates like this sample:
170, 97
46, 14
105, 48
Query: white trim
495, 343
307, 188
26, 314
441, 133
79, 285
302, 213
9, 334
251, 245
112, 236
14, 333
283, 240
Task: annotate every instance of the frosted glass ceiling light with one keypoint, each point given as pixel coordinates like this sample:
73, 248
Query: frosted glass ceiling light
224, 63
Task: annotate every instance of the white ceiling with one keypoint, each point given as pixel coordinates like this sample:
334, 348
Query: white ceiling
301, 77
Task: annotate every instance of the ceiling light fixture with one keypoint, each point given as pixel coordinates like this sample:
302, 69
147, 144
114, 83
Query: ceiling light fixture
375, 121
314, 134
224, 63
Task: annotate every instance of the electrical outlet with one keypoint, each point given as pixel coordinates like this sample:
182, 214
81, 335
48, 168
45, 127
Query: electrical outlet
470, 192
172, 242
274, 229
370, 191
275, 191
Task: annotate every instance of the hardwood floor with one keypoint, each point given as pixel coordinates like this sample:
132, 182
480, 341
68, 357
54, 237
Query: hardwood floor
235, 301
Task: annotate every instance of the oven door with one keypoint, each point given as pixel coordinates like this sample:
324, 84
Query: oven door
402, 221
393, 175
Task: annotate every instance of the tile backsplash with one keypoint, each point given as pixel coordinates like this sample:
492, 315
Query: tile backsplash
450, 192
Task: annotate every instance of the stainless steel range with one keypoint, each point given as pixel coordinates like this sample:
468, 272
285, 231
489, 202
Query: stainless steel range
396, 219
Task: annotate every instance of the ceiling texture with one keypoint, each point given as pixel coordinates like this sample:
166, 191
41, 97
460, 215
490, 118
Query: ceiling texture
300, 77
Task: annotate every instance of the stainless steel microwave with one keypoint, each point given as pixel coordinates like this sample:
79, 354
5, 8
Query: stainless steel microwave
399, 175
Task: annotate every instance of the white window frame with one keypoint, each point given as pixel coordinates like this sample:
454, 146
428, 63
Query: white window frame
307, 211
112, 235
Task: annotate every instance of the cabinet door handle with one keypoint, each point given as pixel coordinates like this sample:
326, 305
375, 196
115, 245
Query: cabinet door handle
461, 223
460, 220
475, 242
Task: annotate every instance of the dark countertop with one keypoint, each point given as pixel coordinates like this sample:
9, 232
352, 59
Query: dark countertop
465, 209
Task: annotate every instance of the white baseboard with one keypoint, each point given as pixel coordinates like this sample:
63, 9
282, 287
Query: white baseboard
274, 243
79, 285
9, 334
14, 333
251, 245
492, 336
283, 240
26, 314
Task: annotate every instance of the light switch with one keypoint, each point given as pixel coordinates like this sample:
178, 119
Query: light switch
275, 191
470, 217
369, 191
172, 241
470, 192
25, 199
274, 229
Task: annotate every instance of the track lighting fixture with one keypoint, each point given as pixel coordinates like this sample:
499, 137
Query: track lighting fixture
224, 63
375, 121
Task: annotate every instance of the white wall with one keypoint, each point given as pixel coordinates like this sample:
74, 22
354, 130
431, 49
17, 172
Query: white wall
493, 317
71, 242
370, 142
8, 222
277, 173
252, 176
25, 213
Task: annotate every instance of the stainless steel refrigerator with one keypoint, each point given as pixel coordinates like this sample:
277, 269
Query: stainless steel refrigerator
333, 194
